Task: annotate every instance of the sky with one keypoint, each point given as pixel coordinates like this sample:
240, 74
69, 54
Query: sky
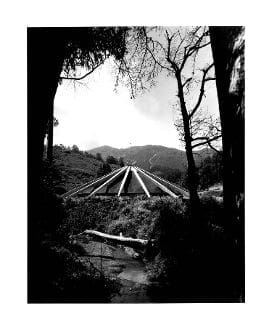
92, 114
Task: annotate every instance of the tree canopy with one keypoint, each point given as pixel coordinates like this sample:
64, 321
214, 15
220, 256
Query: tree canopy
176, 52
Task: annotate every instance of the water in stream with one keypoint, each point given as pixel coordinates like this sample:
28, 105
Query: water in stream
116, 263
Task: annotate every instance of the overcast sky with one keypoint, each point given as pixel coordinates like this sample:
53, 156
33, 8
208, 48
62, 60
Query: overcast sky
93, 114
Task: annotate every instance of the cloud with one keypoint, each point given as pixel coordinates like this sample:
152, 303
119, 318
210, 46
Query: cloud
157, 103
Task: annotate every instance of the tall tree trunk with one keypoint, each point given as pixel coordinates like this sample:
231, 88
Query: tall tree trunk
45, 57
50, 135
228, 52
192, 171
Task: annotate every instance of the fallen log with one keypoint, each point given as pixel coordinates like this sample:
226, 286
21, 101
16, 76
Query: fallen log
127, 241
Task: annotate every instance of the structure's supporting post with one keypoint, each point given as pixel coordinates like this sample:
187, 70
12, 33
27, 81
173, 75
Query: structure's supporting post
162, 187
107, 182
87, 185
141, 182
123, 181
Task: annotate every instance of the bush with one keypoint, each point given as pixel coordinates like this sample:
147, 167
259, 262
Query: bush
190, 265
93, 213
98, 156
103, 169
112, 160
60, 276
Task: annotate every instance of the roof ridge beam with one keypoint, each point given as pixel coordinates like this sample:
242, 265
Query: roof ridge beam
173, 185
123, 181
86, 185
107, 182
162, 187
141, 182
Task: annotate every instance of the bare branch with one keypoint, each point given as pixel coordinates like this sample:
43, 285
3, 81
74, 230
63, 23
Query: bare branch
202, 90
172, 62
210, 78
181, 42
142, 63
212, 147
196, 48
84, 76
206, 140
197, 45
130, 79
190, 50
152, 54
186, 82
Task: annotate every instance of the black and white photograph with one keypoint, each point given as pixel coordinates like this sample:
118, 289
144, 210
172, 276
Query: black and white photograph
135, 165
136, 168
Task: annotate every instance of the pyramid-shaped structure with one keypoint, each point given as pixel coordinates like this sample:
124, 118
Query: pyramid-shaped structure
127, 181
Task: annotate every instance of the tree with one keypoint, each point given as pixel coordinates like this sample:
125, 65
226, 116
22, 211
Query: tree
121, 161
103, 169
173, 51
98, 156
111, 160
75, 148
50, 51
86, 48
228, 52
205, 130
49, 132
210, 171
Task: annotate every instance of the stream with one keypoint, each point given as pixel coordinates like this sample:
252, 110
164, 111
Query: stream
120, 264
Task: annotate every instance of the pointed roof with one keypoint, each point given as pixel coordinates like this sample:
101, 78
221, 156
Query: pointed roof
127, 181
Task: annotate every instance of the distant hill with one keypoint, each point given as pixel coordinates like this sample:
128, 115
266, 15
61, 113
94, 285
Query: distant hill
150, 156
169, 163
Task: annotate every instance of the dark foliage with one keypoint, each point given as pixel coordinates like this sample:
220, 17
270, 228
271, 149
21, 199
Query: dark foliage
170, 174
103, 169
112, 160
61, 276
121, 162
94, 213
211, 171
99, 157
75, 148
191, 266
87, 47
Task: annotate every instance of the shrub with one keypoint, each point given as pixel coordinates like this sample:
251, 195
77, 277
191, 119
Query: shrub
112, 160
93, 213
60, 276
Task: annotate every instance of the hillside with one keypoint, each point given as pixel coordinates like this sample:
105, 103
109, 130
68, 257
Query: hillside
74, 167
152, 155
146, 156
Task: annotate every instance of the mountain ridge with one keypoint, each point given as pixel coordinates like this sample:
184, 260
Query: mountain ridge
149, 156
